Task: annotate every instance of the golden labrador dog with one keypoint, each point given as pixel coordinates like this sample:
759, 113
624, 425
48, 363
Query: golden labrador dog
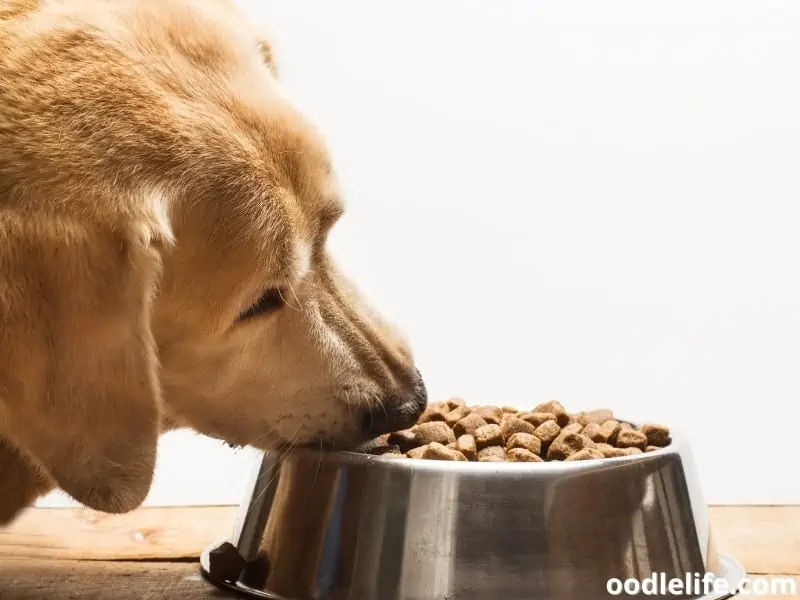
163, 219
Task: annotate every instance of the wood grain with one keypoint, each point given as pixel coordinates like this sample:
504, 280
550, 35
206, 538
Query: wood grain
144, 534
91, 580
766, 539
39, 579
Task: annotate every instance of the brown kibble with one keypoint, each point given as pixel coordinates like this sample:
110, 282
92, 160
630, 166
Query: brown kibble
434, 431
468, 425
512, 425
547, 432
525, 440
609, 430
452, 430
405, 439
417, 452
657, 435
631, 438
566, 444
492, 454
434, 412
594, 416
592, 431
612, 452
386, 449
455, 402
586, 454
522, 455
537, 418
436, 451
490, 414
554, 407
467, 446
488, 435
455, 415
618, 452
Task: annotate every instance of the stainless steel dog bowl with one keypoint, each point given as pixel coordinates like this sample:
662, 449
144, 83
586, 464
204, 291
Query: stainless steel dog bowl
345, 526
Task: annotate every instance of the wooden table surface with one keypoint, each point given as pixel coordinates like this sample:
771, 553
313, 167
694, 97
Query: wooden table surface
152, 553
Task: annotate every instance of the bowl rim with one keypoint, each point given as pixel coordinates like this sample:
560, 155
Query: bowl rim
678, 446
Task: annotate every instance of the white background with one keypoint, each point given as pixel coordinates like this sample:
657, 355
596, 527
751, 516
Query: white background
597, 202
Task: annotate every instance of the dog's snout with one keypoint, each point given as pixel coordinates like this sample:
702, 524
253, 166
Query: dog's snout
400, 411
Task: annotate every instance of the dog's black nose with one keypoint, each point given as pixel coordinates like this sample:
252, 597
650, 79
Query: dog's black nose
400, 411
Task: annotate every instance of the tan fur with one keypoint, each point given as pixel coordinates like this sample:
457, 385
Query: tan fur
154, 182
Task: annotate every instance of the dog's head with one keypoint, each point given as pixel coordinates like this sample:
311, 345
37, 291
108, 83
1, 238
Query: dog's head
164, 211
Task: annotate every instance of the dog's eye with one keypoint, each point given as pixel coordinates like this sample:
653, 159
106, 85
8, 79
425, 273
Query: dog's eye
270, 301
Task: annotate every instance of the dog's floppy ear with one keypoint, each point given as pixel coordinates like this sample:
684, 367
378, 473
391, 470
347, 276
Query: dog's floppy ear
78, 384
21, 482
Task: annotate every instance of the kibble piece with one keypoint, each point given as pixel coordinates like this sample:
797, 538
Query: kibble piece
437, 451
451, 445
573, 428
434, 412
593, 432
488, 435
652, 448
625, 426
522, 455
612, 452
492, 454
547, 431
455, 415
554, 407
509, 409
528, 441
384, 449
455, 402
417, 452
657, 435
537, 418
468, 425
630, 438
567, 444
586, 454
467, 446
490, 414
405, 439
594, 416
602, 447
434, 431
511, 425
610, 429
633, 450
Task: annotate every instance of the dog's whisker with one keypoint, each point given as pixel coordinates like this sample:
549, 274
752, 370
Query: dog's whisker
286, 302
294, 293
319, 462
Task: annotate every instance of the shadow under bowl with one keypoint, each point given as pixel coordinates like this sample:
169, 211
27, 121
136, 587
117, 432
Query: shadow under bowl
346, 526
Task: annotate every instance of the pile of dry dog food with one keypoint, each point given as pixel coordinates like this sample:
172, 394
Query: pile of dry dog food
453, 431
